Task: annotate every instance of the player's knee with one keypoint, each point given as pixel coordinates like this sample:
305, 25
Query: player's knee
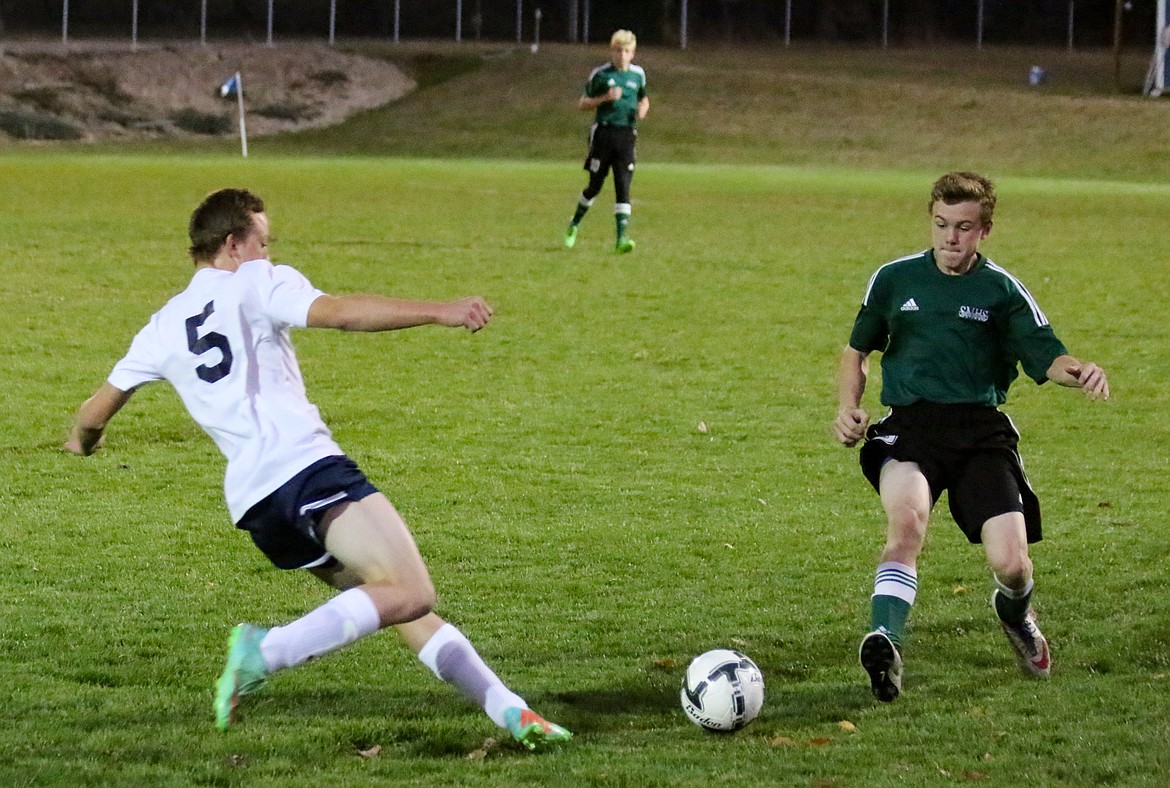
1013, 569
908, 522
418, 603
906, 533
402, 600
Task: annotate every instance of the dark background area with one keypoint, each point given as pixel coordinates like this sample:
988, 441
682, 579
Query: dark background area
911, 22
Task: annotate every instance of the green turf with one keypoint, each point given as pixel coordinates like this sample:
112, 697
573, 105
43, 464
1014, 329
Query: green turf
581, 528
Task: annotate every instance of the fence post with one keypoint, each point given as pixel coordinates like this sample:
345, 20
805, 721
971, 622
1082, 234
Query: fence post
979, 26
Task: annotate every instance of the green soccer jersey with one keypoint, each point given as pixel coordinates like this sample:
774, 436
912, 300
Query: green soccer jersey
624, 111
952, 339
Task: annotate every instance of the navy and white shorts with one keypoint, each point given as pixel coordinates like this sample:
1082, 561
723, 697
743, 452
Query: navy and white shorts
968, 450
284, 525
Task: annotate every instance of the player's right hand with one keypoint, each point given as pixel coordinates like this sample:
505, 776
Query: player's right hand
471, 313
75, 446
850, 426
615, 93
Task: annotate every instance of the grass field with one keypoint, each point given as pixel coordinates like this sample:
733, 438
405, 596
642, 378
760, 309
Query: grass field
581, 528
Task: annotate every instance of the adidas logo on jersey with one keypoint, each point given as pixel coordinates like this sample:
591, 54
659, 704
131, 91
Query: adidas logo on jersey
910, 306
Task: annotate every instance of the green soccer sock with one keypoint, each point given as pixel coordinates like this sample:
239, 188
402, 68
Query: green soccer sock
621, 215
895, 587
888, 614
582, 208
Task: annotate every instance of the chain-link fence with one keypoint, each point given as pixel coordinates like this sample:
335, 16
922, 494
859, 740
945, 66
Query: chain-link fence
903, 23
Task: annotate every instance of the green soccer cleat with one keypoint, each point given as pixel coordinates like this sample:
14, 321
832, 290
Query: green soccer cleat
624, 245
571, 236
531, 730
244, 673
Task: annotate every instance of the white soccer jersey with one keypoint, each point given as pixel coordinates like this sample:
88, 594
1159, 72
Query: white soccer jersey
223, 343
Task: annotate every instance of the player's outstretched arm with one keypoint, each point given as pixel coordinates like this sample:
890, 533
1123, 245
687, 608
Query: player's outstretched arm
362, 312
89, 425
1087, 376
852, 421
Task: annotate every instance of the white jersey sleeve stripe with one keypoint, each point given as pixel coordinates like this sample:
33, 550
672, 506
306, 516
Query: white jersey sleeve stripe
872, 279
1037, 313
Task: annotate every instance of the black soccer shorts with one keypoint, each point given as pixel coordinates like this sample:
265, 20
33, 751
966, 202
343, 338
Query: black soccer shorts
611, 147
968, 450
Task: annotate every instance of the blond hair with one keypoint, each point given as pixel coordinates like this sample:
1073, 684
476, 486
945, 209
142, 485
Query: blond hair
623, 38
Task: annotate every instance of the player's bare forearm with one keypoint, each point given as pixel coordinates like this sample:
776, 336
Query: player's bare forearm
643, 108
361, 312
586, 103
89, 425
1085, 375
852, 421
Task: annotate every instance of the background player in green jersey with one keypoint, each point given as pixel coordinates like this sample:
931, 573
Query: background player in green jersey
617, 92
952, 327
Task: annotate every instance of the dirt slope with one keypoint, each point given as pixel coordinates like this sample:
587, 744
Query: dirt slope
110, 92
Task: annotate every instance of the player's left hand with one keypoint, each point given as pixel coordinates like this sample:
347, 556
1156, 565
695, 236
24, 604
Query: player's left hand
1092, 380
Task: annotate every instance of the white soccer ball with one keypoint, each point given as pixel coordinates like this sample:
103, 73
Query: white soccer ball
722, 690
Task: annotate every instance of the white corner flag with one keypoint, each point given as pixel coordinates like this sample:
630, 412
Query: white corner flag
233, 86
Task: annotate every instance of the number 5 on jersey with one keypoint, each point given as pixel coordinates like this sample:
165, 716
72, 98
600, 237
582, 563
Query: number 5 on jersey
212, 340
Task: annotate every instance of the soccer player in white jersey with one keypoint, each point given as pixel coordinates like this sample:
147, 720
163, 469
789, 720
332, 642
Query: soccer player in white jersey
223, 343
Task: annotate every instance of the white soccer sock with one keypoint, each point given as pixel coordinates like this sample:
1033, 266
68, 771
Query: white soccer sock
451, 657
897, 580
340, 621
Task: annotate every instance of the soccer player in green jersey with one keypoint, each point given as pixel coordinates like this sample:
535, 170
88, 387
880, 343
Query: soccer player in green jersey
616, 92
952, 327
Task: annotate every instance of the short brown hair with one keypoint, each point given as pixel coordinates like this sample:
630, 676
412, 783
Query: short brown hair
956, 187
222, 213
